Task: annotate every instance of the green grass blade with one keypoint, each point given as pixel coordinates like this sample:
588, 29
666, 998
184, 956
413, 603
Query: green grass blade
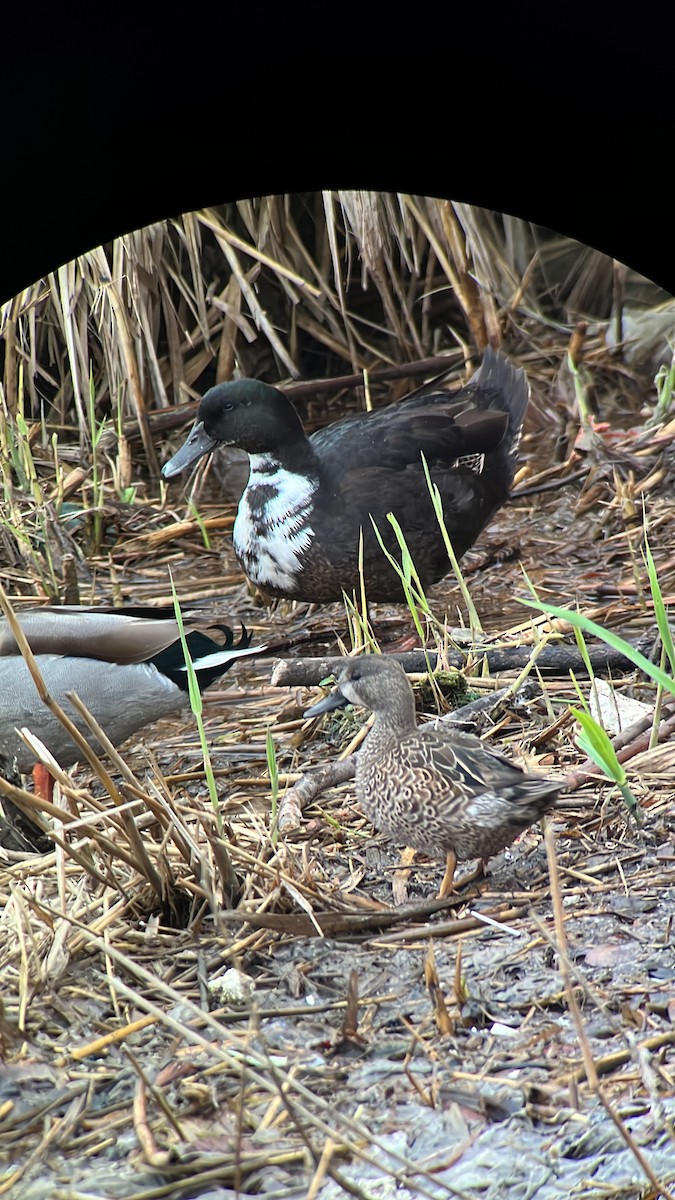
579, 621
660, 610
436, 500
198, 518
197, 706
596, 745
595, 742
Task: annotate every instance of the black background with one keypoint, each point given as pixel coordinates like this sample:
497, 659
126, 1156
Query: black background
111, 127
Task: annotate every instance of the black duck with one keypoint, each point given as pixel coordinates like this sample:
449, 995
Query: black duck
308, 498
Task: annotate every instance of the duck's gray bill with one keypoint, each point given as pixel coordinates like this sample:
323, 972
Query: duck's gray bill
195, 446
333, 700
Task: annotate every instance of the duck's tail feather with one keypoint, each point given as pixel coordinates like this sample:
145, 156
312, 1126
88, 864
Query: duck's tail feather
211, 659
500, 384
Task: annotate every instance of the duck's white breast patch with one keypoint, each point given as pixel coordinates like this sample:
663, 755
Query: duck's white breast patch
272, 528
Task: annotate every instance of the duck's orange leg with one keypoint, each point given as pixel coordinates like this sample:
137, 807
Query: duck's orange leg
450, 868
402, 875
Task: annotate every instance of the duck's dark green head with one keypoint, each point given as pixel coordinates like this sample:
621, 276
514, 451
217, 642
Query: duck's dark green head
247, 414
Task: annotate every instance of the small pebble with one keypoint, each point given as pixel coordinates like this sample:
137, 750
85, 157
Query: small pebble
234, 987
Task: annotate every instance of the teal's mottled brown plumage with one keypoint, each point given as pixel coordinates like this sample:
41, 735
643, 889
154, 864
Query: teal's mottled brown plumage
436, 789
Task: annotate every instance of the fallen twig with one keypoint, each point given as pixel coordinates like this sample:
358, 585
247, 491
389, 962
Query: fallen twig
558, 659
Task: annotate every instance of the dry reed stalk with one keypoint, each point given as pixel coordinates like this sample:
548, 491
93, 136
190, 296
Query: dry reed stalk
139, 294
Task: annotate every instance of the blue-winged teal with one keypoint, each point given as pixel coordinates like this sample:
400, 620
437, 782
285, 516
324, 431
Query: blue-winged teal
307, 499
436, 789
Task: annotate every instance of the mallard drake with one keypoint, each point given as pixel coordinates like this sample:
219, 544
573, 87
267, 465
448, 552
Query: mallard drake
430, 786
308, 499
127, 666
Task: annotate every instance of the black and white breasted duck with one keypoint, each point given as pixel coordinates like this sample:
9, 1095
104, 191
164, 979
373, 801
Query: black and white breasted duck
433, 787
307, 499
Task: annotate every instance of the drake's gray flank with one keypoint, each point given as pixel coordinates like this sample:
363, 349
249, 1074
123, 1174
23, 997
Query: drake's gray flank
126, 665
433, 788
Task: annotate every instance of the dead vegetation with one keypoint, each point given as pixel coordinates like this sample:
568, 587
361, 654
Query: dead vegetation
358, 1043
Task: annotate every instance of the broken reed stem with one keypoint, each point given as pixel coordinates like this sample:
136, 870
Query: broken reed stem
563, 954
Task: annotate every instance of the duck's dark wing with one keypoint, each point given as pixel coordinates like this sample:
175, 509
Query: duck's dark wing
483, 417
354, 497
470, 767
497, 384
393, 440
